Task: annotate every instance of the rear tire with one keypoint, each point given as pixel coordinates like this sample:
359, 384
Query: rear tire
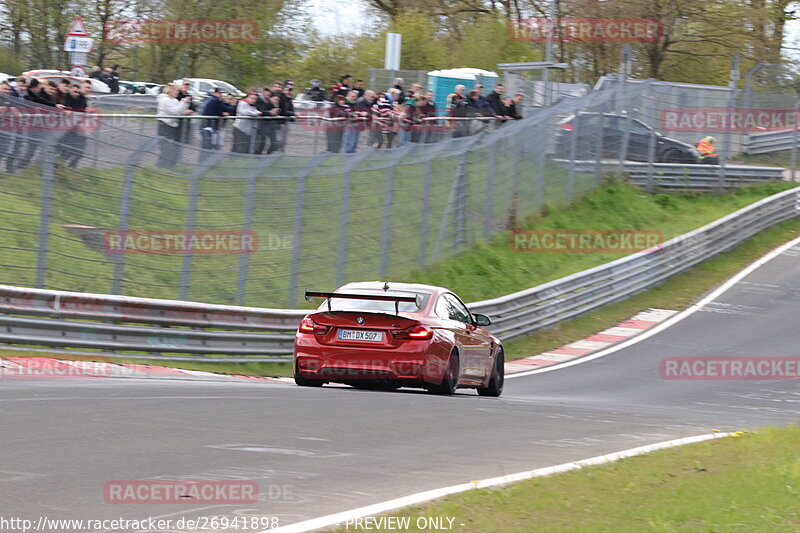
306, 382
498, 378
450, 379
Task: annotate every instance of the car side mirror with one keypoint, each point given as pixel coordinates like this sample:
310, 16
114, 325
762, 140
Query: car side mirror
482, 320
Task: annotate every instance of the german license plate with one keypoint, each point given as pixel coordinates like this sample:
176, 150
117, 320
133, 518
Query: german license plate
360, 335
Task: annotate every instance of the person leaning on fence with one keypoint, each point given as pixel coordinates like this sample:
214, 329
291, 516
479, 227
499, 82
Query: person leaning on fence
399, 84
8, 106
384, 119
358, 87
495, 100
457, 108
287, 112
316, 93
211, 128
72, 144
514, 108
169, 128
185, 126
264, 105
339, 115
43, 94
343, 86
244, 129
358, 121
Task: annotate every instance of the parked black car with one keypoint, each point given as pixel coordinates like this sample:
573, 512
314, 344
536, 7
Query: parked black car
589, 130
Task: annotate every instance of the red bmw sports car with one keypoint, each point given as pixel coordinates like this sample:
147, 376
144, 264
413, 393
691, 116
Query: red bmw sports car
388, 335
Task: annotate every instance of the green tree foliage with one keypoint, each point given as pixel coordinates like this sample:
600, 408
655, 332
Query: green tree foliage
698, 40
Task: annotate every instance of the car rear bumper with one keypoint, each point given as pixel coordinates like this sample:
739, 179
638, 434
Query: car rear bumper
354, 364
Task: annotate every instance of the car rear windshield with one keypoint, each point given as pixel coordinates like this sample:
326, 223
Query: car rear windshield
341, 304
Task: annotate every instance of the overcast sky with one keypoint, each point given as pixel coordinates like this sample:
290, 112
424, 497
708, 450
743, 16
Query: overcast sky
338, 16
351, 16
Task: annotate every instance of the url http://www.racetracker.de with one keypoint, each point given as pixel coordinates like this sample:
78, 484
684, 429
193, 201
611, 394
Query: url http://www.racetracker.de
46, 524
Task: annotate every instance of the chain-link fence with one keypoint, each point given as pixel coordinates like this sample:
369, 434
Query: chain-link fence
381, 79
96, 206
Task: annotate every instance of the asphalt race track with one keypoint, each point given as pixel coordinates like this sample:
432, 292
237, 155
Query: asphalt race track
318, 451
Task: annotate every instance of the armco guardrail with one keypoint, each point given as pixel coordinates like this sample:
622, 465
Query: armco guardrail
684, 176
125, 324
770, 141
545, 305
117, 324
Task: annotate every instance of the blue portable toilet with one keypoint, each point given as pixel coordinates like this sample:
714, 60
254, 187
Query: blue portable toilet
443, 82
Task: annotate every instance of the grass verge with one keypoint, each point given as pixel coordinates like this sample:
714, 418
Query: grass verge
750, 482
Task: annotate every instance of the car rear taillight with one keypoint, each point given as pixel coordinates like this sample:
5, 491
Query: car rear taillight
309, 326
566, 126
418, 332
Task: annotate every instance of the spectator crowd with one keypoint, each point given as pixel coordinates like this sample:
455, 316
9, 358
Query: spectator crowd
397, 116
30, 96
390, 118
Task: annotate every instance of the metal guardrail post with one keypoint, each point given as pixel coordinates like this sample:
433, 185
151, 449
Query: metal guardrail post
191, 219
341, 262
45, 210
733, 85
125, 207
573, 154
297, 232
488, 208
794, 142
424, 214
460, 236
386, 228
244, 260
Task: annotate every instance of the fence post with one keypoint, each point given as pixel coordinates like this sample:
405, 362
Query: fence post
794, 142
191, 219
426, 194
733, 84
386, 228
344, 217
387, 218
125, 207
461, 203
297, 232
622, 101
487, 217
46, 211
244, 261
651, 146
573, 151
538, 199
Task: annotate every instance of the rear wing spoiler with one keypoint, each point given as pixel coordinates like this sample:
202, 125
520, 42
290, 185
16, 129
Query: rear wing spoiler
417, 300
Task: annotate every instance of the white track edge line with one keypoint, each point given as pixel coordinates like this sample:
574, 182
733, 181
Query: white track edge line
716, 293
426, 496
